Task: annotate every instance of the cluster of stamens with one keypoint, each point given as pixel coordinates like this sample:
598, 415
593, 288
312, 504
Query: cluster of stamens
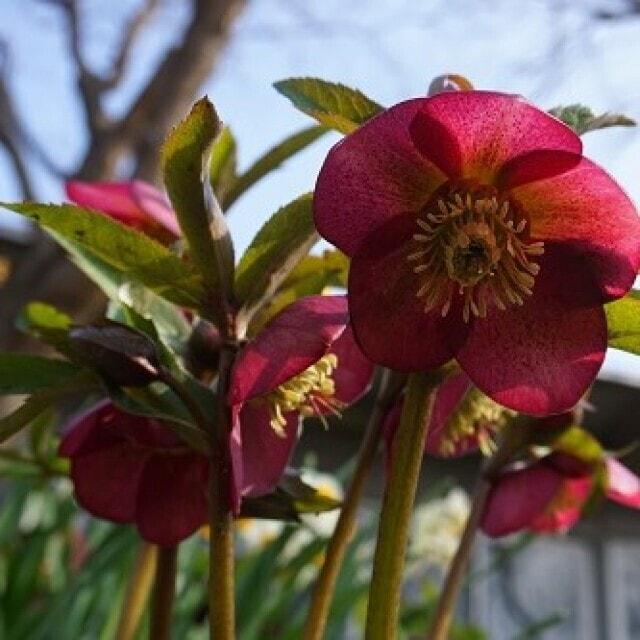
310, 393
473, 244
477, 417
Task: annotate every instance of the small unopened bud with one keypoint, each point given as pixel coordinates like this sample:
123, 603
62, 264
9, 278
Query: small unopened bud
449, 82
121, 354
203, 350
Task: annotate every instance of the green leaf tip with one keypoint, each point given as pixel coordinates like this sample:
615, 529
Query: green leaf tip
185, 155
275, 251
582, 119
332, 104
623, 323
129, 251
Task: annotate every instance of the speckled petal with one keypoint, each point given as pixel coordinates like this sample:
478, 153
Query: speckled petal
540, 358
172, 498
585, 209
472, 134
373, 175
293, 341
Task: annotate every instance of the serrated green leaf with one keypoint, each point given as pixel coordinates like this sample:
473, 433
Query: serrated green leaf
170, 323
331, 104
623, 323
277, 248
223, 165
40, 401
131, 252
184, 154
21, 373
289, 500
582, 119
271, 161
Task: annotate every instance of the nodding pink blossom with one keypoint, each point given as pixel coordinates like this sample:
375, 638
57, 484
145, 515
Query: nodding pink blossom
478, 231
462, 420
305, 362
549, 496
131, 469
135, 203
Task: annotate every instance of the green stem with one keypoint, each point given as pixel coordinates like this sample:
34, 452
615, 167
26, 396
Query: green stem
408, 446
325, 585
164, 589
138, 590
221, 558
514, 436
445, 611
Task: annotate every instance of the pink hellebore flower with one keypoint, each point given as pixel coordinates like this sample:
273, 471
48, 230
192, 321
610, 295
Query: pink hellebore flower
463, 420
478, 231
549, 496
131, 469
136, 204
305, 362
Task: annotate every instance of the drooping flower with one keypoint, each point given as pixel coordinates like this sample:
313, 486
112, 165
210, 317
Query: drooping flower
549, 496
463, 419
132, 469
304, 363
478, 231
136, 203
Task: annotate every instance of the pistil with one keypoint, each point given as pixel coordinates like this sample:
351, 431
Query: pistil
473, 245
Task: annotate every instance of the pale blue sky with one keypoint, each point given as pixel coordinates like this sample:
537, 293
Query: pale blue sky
549, 50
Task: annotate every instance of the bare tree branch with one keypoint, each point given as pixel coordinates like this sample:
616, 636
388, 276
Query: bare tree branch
10, 129
168, 95
89, 85
131, 32
47, 274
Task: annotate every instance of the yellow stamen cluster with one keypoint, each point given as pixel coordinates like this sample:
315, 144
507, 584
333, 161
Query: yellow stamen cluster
473, 244
477, 417
308, 393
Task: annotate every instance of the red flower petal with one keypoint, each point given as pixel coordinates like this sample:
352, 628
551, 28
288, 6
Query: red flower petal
540, 358
518, 497
259, 455
388, 320
374, 175
448, 397
154, 203
172, 498
565, 510
535, 165
81, 432
584, 207
471, 134
623, 486
136, 204
106, 480
352, 377
294, 340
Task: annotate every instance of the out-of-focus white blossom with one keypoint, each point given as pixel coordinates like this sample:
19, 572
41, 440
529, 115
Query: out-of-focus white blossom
437, 527
253, 534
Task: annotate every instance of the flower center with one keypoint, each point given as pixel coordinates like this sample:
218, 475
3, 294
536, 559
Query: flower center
309, 393
473, 243
477, 417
